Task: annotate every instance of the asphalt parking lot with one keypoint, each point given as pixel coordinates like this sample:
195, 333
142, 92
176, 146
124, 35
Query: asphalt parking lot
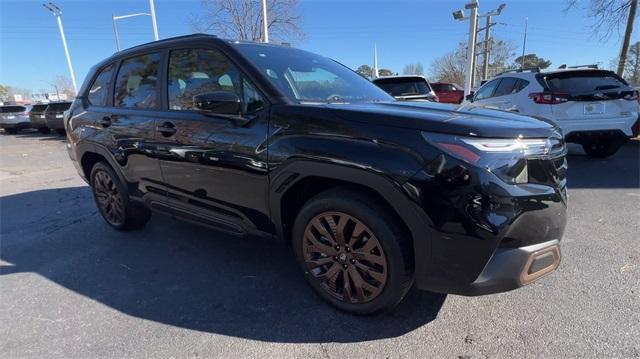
72, 287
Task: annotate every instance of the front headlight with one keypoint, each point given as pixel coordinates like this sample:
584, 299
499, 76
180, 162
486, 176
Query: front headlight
506, 158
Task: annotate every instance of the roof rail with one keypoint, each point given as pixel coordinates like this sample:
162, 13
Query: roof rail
169, 39
592, 66
531, 69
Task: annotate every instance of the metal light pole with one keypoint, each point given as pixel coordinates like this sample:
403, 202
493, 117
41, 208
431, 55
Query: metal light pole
115, 28
265, 24
57, 13
471, 45
152, 10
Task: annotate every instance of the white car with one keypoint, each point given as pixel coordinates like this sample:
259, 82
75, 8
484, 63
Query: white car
595, 108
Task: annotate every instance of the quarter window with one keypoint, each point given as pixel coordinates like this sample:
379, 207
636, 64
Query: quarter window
98, 92
506, 87
137, 82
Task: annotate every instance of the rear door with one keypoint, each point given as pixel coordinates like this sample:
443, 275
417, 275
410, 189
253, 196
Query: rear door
595, 96
215, 168
122, 120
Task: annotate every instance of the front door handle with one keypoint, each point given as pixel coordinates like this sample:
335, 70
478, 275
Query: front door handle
167, 129
105, 121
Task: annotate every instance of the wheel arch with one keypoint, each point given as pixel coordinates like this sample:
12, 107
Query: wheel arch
288, 195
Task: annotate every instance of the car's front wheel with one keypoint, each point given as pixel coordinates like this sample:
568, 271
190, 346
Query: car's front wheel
113, 201
353, 251
602, 148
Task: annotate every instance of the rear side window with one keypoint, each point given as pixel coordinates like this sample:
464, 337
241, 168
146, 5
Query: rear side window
521, 85
137, 82
98, 93
582, 82
506, 87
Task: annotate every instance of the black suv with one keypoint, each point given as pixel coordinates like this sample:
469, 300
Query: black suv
373, 195
54, 115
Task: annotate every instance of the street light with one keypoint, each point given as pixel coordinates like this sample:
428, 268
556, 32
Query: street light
55, 10
115, 28
473, 25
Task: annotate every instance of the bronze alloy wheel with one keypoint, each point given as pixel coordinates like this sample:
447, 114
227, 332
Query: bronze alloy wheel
345, 256
109, 198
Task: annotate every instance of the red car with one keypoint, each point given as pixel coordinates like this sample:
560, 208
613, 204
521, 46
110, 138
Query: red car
448, 92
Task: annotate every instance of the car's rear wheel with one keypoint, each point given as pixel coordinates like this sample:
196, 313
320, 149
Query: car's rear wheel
113, 201
44, 130
11, 131
602, 148
353, 250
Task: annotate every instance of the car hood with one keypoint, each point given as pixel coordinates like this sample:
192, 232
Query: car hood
445, 118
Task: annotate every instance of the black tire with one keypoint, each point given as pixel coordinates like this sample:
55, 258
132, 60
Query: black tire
394, 241
602, 148
11, 131
61, 131
44, 130
131, 215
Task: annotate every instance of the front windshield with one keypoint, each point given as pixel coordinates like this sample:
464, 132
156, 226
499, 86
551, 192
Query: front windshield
305, 77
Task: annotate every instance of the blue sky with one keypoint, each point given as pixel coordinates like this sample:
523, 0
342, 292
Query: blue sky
31, 53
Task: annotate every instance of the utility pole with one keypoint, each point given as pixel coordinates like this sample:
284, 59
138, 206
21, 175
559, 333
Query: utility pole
152, 10
487, 46
633, 7
265, 24
471, 45
57, 13
473, 33
524, 42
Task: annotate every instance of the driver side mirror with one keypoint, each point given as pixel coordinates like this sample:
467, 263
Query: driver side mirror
469, 97
219, 102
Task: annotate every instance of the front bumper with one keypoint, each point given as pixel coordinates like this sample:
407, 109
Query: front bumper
479, 232
511, 268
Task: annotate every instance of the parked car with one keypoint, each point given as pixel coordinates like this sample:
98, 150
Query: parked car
37, 118
372, 194
407, 88
14, 118
595, 108
448, 92
54, 115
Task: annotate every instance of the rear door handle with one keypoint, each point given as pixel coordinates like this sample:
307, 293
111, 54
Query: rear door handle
106, 121
167, 129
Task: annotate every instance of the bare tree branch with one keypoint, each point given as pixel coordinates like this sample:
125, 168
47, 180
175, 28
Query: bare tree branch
242, 19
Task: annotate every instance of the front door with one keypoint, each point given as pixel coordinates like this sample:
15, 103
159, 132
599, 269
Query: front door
214, 168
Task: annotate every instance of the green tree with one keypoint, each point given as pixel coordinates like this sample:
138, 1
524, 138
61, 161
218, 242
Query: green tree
531, 61
4, 93
385, 72
365, 71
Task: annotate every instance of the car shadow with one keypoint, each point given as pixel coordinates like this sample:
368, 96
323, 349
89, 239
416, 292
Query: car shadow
622, 170
52, 136
184, 275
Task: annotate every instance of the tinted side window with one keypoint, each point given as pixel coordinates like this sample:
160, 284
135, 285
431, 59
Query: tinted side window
521, 84
98, 93
197, 71
506, 86
137, 82
486, 90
